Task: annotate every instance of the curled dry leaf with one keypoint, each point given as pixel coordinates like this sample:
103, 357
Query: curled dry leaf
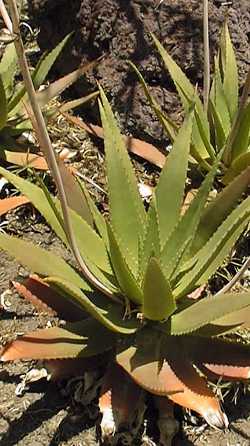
138, 147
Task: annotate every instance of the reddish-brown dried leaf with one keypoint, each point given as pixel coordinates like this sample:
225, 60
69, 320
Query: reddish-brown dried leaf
46, 299
26, 160
140, 148
7, 204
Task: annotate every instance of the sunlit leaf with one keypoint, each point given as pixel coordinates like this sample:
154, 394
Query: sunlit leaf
170, 189
219, 208
211, 256
126, 279
69, 341
3, 102
230, 71
48, 300
128, 221
158, 300
206, 311
100, 307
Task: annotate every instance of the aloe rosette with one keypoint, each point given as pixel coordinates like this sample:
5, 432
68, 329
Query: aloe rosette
150, 261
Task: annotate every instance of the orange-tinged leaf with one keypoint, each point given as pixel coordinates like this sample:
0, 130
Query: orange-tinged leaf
7, 204
68, 341
121, 399
59, 369
226, 372
46, 299
26, 159
194, 393
140, 148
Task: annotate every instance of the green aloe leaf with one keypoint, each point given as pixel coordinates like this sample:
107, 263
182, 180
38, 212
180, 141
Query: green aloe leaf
125, 277
42, 68
170, 189
8, 67
47, 61
180, 239
158, 300
220, 136
230, 72
220, 100
127, 213
217, 211
150, 245
211, 256
188, 95
207, 311
37, 198
103, 309
60, 85
91, 245
240, 144
238, 165
39, 260
73, 340
98, 219
3, 102
169, 126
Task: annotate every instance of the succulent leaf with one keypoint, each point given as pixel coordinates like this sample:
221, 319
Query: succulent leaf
70, 341
206, 311
47, 61
150, 245
3, 101
39, 260
46, 299
180, 239
143, 364
158, 300
241, 141
193, 392
230, 71
168, 125
170, 189
126, 279
8, 66
188, 95
102, 309
127, 221
219, 208
215, 250
37, 198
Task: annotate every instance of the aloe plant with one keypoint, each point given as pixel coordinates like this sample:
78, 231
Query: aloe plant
150, 262
14, 116
224, 122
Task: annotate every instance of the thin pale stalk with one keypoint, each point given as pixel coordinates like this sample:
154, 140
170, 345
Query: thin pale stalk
206, 88
46, 146
5, 16
236, 278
